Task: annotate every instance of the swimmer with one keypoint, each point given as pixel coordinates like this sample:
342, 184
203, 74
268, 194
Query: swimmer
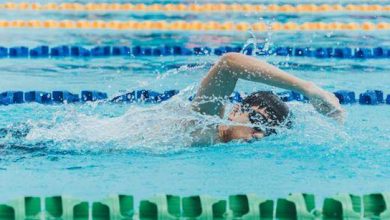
259, 115
259, 109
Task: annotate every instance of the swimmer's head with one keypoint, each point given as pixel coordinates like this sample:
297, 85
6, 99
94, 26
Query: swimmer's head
260, 109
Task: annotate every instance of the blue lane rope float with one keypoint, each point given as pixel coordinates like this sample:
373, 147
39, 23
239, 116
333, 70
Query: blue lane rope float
199, 207
369, 97
167, 50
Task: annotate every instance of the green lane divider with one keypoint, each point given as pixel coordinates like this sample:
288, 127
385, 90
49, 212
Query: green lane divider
114, 207
250, 207
375, 206
65, 207
342, 206
160, 207
7, 212
297, 206
56, 207
81, 211
21, 208
203, 208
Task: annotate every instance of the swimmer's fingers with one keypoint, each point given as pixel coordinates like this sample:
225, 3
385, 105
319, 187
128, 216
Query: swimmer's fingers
323, 106
337, 114
258, 135
334, 110
327, 104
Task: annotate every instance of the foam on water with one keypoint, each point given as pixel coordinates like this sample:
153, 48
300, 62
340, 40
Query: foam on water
162, 128
167, 126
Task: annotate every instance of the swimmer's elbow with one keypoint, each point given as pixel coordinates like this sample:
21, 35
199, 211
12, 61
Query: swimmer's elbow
233, 65
231, 57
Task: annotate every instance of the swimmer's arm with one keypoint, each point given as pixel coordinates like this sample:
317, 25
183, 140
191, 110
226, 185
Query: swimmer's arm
222, 78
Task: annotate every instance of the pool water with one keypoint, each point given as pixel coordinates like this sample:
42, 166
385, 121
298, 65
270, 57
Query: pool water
95, 149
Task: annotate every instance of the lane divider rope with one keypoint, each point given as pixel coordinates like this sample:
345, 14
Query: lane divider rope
105, 51
194, 25
369, 97
120, 206
196, 8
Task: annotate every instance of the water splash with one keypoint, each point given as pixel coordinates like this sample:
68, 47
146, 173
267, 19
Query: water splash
168, 126
164, 128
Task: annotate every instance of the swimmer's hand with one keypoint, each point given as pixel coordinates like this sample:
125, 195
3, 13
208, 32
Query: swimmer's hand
325, 102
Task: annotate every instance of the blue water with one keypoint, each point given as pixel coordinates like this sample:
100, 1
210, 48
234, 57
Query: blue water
93, 150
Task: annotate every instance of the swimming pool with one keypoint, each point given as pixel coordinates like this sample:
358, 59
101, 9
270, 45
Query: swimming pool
92, 150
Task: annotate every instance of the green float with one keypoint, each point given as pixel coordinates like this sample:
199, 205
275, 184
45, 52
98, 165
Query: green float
250, 207
160, 207
297, 206
342, 206
203, 208
115, 207
65, 207
377, 206
22, 208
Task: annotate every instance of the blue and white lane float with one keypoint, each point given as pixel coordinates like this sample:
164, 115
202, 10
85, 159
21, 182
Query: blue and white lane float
45, 51
369, 97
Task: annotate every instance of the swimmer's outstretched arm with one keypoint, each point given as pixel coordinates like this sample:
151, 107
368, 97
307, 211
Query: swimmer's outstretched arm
220, 81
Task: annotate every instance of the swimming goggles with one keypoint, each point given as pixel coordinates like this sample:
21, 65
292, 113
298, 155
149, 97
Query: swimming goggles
259, 119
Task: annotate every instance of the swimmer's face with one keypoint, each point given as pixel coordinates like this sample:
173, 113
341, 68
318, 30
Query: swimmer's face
241, 116
238, 132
